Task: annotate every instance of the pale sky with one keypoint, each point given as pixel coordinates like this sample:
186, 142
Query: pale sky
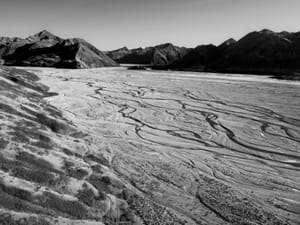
111, 24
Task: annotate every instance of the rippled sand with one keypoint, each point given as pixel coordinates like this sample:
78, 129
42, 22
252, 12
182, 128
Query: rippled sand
213, 149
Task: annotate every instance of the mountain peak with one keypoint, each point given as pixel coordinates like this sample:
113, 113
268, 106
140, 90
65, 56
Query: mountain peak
165, 45
266, 31
44, 32
121, 49
43, 35
124, 49
228, 42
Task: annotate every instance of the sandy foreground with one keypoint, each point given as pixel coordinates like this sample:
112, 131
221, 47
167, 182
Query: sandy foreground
204, 148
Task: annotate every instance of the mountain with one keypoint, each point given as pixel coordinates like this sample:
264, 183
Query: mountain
262, 51
135, 56
160, 55
118, 53
226, 44
43, 35
47, 50
198, 58
9, 45
259, 52
166, 54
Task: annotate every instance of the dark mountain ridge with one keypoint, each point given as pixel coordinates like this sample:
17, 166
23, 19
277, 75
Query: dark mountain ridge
259, 52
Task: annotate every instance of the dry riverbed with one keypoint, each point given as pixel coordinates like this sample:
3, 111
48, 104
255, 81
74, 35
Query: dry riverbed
148, 147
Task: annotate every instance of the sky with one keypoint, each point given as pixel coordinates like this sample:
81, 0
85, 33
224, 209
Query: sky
111, 24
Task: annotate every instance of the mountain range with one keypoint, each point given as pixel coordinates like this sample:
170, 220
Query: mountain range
259, 52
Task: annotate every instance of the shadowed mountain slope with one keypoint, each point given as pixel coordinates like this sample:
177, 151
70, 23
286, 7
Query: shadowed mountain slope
262, 51
46, 49
198, 58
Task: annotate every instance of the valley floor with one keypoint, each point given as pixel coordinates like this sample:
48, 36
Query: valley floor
193, 148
